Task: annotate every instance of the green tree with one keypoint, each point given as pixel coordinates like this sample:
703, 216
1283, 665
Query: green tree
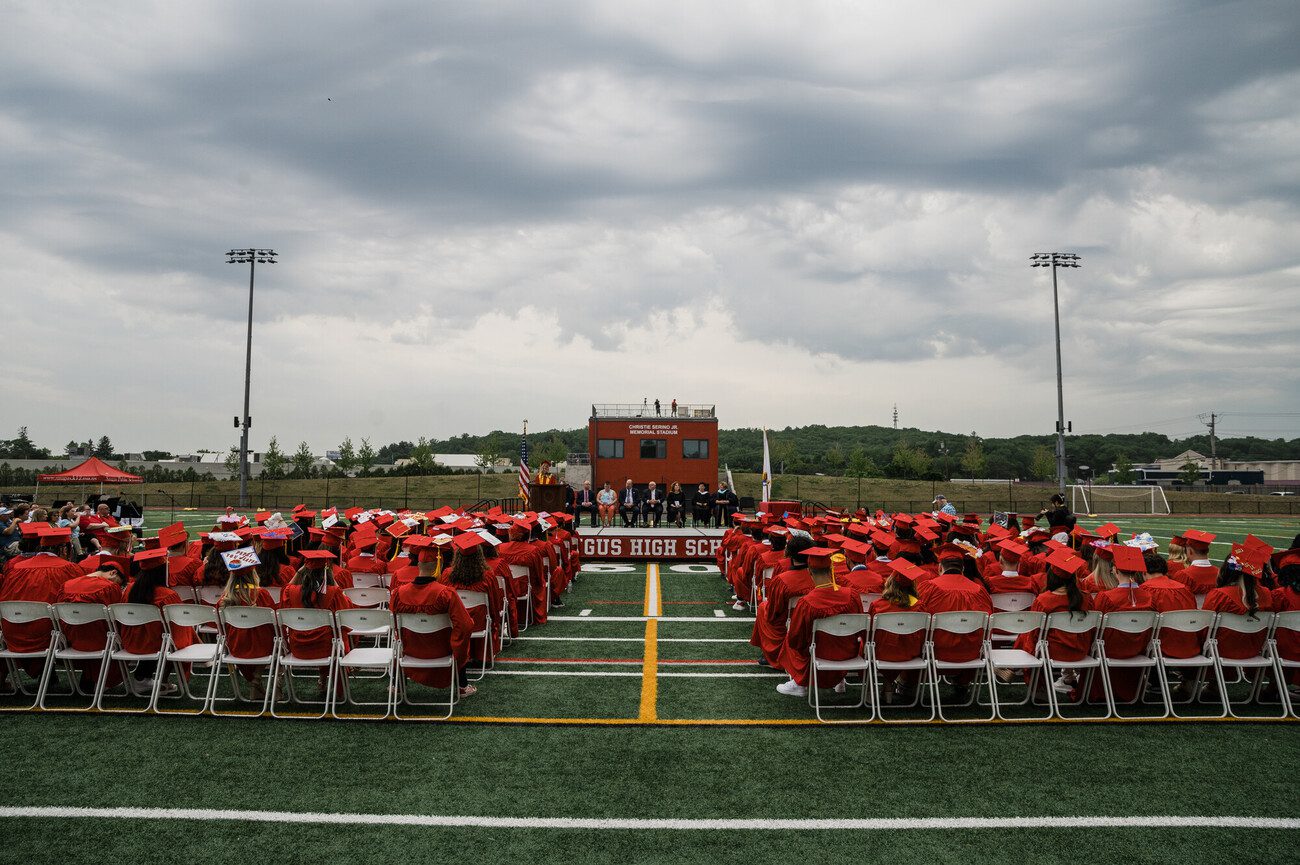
274, 460
347, 460
973, 461
301, 461
909, 462
1124, 473
1189, 472
366, 457
155, 456
554, 450
422, 455
71, 447
834, 458
103, 450
1042, 466
487, 458
232, 462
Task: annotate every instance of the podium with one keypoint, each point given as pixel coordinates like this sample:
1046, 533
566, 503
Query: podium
546, 497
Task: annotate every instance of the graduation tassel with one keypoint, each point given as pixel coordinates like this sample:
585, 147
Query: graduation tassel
437, 567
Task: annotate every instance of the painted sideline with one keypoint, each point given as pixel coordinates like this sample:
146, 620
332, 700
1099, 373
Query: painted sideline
870, 824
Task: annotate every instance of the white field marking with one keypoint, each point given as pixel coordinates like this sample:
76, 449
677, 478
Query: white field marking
644, 618
653, 605
696, 568
638, 639
621, 673
585, 613
861, 824
720, 614
601, 568
662, 674
579, 662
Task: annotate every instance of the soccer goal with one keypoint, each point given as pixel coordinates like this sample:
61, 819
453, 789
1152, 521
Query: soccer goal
1118, 500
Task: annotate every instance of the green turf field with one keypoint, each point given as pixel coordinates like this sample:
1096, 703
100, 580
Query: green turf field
641, 700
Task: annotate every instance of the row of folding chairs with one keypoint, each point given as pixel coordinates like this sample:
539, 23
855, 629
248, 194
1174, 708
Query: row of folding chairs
350, 655
996, 634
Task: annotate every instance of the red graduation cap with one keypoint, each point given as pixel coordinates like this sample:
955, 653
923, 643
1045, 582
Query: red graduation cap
1106, 532
468, 541
316, 559
1128, 559
904, 568
949, 552
819, 557
54, 537
150, 559
1066, 562
1013, 549
33, 530
1251, 559
1198, 538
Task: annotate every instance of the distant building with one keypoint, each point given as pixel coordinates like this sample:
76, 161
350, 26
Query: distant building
1227, 472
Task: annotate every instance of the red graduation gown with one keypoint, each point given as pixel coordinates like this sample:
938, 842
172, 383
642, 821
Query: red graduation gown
890, 647
952, 593
316, 642
524, 553
35, 578
821, 602
1168, 594
1061, 646
769, 621
252, 642
433, 598
146, 639
1229, 599
1200, 579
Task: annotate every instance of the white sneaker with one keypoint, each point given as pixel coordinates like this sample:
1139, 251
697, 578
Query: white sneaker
841, 687
739, 606
791, 688
168, 689
1061, 686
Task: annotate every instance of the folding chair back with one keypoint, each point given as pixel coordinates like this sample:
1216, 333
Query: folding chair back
519, 572
1198, 622
423, 623
474, 599
363, 619
24, 613
135, 615
842, 625
1016, 623
362, 580
1286, 631
246, 617
304, 618
276, 592
1012, 602
1244, 625
210, 595
190, 615
186, 593
959, 622
371, 597
1129, 622
899, 624
1067, 622
869, 598
74, 615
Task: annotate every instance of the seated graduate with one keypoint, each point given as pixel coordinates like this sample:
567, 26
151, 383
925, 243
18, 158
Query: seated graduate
425, 594
826, 598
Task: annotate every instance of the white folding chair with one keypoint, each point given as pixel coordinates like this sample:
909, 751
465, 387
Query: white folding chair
473, 600
518, 573
1066, 622
135, 616
1015, 624
425, 625
758, 587
1200, 600
367, 597
301, 620
197, 654
210, 595
380, 658
241, 619
1134, 622
363, 580
1011, 602
546, 581
75, 615
1194, 622
868, 598
506, 639
901, 625
187, 594
1286, 623
843, 625
959, 623
1259, 664
276, 592
27, 613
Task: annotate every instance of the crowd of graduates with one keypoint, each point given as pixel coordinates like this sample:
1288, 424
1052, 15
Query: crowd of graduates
941, 562
424, 560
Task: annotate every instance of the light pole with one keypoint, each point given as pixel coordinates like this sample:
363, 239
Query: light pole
251, 257
1055, 260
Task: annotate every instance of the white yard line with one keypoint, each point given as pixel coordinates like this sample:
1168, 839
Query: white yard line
636, 639
861, 824
644, 618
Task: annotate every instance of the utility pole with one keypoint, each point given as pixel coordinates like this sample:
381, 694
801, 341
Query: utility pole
1055, 260
1214, 445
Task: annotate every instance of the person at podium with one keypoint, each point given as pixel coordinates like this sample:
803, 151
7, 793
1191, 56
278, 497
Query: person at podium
584, 501
653, 505
546, 474
629, 504
725, 503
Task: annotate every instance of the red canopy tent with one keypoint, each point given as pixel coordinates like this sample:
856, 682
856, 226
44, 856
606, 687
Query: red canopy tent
93, 470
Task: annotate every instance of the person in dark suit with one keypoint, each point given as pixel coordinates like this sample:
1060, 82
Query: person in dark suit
652, 504
725, 503
676, 505
629, 504
701, 506
585, 502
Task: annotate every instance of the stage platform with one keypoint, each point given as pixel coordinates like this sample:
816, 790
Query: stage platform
649, 544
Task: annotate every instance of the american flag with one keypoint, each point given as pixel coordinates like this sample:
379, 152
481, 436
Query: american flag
525, 476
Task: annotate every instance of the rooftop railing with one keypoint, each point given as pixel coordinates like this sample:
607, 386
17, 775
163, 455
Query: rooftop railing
647, 409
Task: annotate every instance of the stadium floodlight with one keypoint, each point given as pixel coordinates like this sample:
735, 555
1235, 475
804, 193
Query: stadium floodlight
251, 257
1055, 260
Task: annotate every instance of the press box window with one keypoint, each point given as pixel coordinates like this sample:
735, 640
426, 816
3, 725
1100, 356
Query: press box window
695, 449
609, 449
654, 449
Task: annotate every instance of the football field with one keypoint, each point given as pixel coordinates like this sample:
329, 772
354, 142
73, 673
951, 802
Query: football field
636, 726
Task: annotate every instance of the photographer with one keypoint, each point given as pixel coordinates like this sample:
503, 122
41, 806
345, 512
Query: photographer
1058, 516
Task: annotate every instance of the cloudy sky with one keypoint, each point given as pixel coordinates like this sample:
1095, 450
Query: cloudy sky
802, 212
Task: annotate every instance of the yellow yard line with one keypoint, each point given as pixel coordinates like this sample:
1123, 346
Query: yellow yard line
654, 606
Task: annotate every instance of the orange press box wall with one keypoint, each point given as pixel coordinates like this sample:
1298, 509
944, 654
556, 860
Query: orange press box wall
678, 436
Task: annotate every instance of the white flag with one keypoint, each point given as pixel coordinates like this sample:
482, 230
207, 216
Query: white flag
767, 469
